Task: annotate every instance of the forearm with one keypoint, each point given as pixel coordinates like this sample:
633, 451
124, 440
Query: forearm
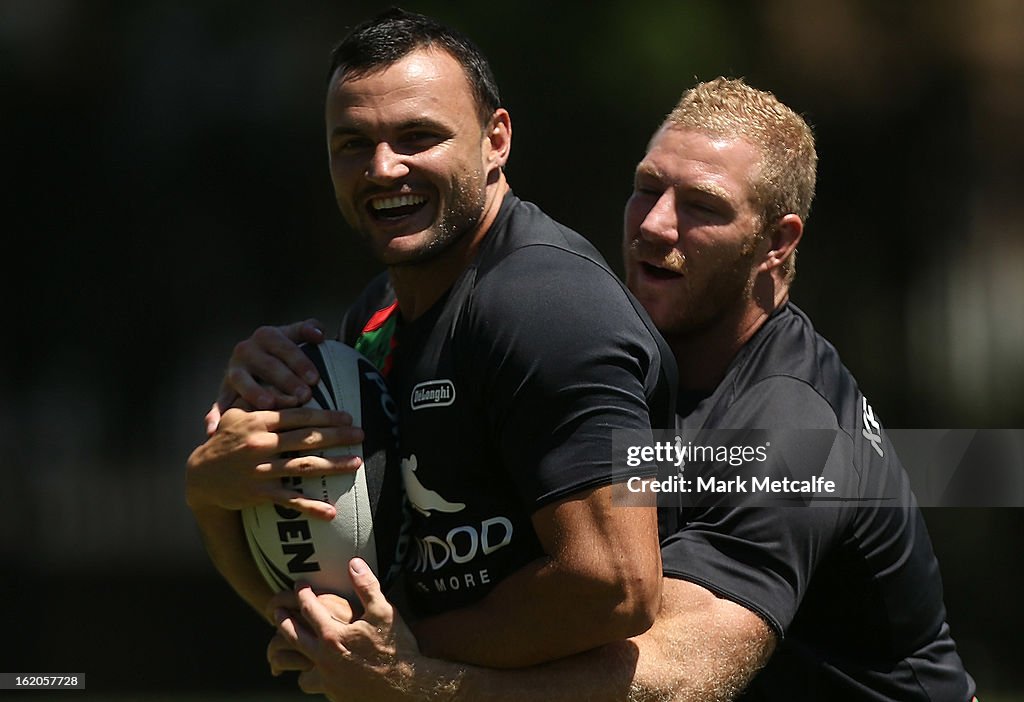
540, 613
701, 648
618, 672
225, 542
601, 675
611, 673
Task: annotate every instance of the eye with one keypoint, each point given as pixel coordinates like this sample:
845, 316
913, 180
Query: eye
420, 140
646, 187
644, 197
705, 211
350, 145
705, 204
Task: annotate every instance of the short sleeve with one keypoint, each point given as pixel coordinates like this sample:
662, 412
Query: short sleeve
566, 362
759, 543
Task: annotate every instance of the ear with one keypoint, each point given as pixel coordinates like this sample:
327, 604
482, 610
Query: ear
782, 241
498, 138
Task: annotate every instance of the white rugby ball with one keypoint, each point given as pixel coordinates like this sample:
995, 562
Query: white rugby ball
288, 545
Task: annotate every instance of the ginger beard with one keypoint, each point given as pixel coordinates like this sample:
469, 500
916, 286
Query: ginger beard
688, 294
693, 230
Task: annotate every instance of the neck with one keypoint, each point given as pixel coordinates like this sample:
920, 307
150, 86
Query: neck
704, 355
419, 286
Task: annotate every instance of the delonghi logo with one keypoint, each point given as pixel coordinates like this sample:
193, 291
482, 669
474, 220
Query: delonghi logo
433, 393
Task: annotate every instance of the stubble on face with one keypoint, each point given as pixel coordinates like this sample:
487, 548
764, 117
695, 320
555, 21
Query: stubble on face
459, 217
715, 276
422, 112
728, 291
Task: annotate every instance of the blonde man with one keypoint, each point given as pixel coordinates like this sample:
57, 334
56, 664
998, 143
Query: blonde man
802, 593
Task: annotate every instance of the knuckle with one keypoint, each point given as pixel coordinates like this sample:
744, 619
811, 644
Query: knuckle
234, 374
313, 439
231, 416
348, 464
264, 333
304, 464
306, 415
259, 441
241, 349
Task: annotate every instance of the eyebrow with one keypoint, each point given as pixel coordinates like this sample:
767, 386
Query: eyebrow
648, 170
712, 190
709, 189
414, 123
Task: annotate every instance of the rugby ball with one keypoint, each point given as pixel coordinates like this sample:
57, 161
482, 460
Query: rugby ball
289, 546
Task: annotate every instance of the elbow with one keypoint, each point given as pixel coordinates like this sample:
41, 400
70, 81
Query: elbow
631, 593
640, 600
624, 600
616, 605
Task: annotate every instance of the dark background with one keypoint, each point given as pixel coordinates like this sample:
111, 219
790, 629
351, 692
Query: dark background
166, 191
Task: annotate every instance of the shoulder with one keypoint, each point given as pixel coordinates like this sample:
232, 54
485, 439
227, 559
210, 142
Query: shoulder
779, 401
523, 229
546, 297
787, 344
537, 275
792, 376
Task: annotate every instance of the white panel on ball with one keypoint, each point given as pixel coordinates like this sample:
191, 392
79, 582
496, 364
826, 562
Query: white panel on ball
289, 546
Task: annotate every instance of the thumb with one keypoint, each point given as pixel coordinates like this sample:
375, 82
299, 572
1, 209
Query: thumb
212, 419
375, 607
224, 401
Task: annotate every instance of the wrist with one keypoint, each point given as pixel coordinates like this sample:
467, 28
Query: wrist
198, 502
432, 679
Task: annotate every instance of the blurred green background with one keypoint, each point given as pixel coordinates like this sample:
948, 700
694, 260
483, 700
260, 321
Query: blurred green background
166, 191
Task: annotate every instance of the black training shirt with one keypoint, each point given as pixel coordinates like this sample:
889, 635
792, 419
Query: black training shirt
846, 579
509, 389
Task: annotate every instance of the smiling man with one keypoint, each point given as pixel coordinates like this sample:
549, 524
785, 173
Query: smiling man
833, 598
486, 303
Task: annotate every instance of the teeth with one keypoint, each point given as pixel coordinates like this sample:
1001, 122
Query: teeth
387, 203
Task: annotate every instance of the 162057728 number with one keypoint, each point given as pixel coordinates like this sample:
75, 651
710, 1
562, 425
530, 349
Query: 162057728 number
36, 681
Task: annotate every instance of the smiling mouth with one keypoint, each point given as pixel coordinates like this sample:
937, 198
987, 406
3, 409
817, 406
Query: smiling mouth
395, 207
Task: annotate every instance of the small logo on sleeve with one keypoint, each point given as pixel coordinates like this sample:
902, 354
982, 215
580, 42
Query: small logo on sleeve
432, 393
872, 431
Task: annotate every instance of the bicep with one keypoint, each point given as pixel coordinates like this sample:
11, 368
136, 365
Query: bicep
559, 378
591, 532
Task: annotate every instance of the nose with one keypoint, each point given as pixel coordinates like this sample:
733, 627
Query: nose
660, 224
386, 165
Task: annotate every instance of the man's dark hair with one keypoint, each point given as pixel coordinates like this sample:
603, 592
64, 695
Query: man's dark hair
393, 34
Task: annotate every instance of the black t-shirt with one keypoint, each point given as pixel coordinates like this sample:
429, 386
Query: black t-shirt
848, 579
509, 389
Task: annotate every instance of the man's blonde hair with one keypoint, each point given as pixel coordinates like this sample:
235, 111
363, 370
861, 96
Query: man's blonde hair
784, 182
